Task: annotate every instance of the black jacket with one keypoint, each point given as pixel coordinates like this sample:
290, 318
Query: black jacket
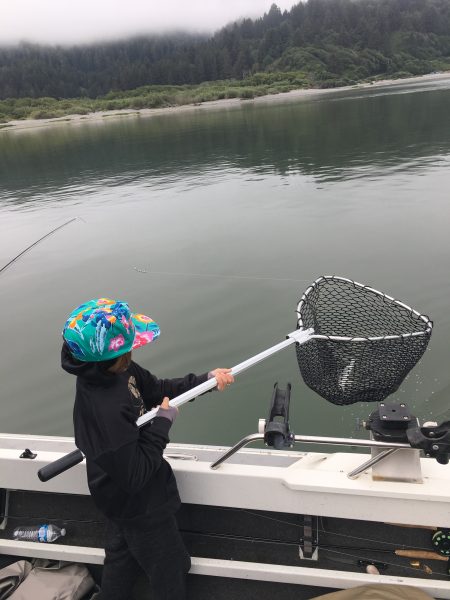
127, 475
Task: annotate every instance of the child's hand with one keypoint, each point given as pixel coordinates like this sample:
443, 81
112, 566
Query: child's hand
167, 411
165, 403
223, 377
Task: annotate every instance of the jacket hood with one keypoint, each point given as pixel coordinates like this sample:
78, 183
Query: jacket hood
93, 372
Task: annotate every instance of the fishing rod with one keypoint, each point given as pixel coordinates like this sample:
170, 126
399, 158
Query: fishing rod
13, 260
339, 553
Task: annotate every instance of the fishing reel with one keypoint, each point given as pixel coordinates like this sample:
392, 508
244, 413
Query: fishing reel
393, 422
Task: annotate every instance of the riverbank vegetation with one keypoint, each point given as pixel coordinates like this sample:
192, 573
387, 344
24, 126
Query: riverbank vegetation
318, 43
153, 96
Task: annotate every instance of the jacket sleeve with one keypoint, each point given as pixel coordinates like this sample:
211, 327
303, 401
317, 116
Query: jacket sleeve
153, 390
132, 464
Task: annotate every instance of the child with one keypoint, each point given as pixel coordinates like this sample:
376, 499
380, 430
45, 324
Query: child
129, 480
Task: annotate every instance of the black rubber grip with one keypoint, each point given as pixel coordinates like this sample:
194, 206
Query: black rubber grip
59, 466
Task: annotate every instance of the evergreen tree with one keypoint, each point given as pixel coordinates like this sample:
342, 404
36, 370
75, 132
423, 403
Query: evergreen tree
331, 40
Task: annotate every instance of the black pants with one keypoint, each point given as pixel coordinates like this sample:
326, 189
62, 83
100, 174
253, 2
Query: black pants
156, 549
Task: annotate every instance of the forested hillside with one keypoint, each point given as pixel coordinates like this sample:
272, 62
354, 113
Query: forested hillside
326, 42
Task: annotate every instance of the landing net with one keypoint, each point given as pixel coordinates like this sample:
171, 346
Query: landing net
364, 342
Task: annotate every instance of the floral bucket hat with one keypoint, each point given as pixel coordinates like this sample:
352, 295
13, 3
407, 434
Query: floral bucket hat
103, 329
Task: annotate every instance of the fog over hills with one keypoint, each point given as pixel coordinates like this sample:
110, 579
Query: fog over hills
86, 21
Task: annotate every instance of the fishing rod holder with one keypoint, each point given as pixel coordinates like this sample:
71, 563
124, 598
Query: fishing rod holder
276, 428
433, 439
395, 443
394, 422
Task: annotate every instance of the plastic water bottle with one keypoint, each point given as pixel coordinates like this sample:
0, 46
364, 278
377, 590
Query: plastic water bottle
42, 533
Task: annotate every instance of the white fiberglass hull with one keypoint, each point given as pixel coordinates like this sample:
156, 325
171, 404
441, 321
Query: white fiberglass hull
263, 484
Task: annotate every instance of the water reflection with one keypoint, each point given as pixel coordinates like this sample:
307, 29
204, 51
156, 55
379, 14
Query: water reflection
348, 136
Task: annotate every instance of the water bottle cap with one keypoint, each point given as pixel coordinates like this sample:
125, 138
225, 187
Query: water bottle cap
63, 532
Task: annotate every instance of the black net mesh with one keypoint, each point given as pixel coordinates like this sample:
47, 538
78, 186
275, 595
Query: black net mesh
351, 370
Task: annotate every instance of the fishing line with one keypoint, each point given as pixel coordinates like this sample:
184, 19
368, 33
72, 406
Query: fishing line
333, 549
338, 550
38, 242
361, 539
244, 277
322, 529
295, 543
53, 518
263, 540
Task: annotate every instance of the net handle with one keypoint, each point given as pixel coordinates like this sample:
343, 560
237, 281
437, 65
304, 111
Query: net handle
300, 336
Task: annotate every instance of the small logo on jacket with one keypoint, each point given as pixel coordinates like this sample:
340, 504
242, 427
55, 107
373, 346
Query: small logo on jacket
136, 397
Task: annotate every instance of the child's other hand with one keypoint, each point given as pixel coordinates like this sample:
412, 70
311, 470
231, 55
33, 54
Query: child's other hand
165, 403
167, 411
223, 377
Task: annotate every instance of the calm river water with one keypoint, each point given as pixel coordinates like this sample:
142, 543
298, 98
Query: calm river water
214, 222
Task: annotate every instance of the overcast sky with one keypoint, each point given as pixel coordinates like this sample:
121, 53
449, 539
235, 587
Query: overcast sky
74, 21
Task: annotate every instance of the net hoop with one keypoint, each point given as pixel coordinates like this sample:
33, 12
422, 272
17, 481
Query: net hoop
363, 342
427, 321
